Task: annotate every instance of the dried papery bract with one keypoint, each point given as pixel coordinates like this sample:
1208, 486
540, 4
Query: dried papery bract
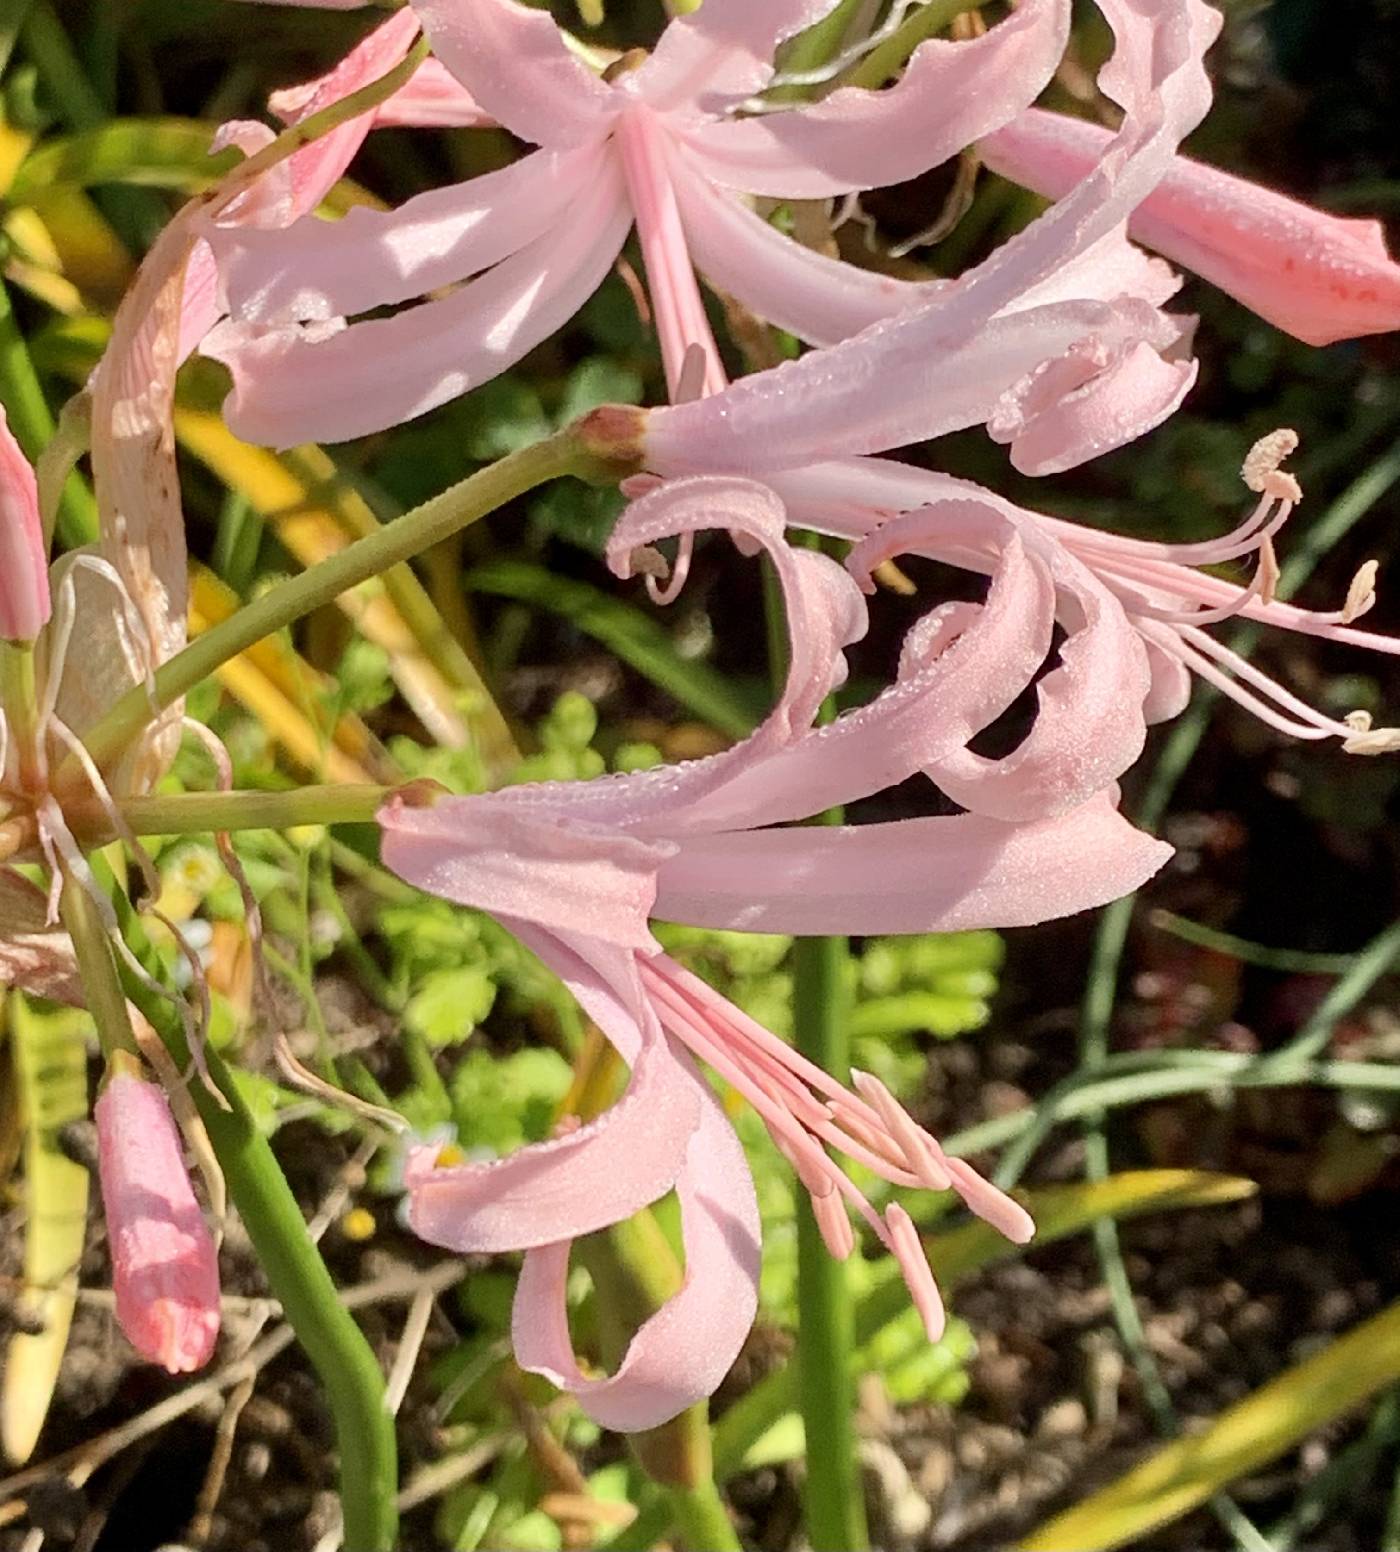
165, 1270
24, 572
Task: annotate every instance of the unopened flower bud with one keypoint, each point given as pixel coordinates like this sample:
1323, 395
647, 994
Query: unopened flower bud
24, 572
165, 1269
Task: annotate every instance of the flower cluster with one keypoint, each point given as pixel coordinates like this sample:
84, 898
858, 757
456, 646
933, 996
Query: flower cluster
1060, 344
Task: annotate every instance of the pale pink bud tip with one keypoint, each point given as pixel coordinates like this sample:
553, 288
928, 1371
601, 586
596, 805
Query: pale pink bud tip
165, 1269
24, 572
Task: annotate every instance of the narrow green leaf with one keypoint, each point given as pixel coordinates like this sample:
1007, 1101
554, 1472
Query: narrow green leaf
1185, 1473
51, 1068
1059, 1211
624, 629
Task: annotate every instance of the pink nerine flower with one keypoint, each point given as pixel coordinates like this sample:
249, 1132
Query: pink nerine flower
165, 1270
24, 572
1317, 276
576, 869
657, 145
296, 187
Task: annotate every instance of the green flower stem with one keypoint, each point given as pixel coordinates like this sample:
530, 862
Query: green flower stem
295, 1273
885, 62
185, 813
31, 420
280, 606
702, 1520
832, 1498
97, 966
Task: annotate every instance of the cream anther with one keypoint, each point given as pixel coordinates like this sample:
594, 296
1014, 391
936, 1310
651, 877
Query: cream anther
1262, 471
1368, 740
1361, 595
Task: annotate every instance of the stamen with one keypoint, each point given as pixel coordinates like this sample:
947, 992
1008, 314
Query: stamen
908, 1250
1262, 470
834, 1224
1361, 595
919, 1152
1368, 740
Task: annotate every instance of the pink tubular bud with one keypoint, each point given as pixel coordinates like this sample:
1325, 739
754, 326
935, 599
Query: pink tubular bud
165, 1270
24, 572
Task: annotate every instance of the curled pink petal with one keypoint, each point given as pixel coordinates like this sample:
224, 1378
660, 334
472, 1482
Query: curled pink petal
914, 875
320, 270
549, 868
945, 364
1086, 403
1319, 277
825, 610
24, 572
1089, 726
710, 60
325, 383
951, 93
165, 1270
681, 1353
513, 62
594, 1175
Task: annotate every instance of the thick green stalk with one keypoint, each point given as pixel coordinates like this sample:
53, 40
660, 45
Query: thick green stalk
102, 989
832, 1498
295, 1273
195, 813
280, 606
703, 1521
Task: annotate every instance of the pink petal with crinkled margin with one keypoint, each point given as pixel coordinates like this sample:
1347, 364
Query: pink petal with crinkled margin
1125, 396
324, 384
372, 258
966, 666
514, 63
550, 869
713, 58
911, 875
826, 611
596, 1175
681, 1353
784, 282
894, 384
951, 94
943, 365
1089, 725
1320, 277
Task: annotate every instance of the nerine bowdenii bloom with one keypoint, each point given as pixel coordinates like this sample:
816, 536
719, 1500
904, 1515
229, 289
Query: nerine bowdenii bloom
576, 869
656, 143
